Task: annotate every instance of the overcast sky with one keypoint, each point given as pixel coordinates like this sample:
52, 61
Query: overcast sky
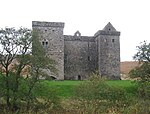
131, 17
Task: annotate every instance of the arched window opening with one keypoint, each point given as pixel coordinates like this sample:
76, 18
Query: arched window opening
45, 43
78, 34
105, 40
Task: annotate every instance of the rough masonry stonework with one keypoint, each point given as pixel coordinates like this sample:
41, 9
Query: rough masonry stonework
78, 56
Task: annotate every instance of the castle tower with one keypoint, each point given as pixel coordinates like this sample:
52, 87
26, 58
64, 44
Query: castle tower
108, 44
51, 37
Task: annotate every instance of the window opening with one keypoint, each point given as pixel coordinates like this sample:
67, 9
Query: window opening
79, 77
65, 58
77, 34
45, 43
89, 58
105, 40
113, 40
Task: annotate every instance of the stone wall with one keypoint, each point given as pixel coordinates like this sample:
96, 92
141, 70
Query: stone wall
80, 57
51, 37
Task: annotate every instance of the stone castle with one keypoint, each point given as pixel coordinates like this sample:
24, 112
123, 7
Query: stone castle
78, 56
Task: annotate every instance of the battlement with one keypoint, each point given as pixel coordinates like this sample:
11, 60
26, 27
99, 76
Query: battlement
47, 24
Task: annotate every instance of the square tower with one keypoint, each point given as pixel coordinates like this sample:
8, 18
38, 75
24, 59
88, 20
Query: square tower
108, 44
51, 37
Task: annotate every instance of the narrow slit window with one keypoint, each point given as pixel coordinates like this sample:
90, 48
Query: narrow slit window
65, 58
89, 58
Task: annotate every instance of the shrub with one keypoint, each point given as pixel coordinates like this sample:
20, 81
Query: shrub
96, 93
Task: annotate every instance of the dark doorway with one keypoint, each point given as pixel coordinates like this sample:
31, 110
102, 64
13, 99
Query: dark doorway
79, 77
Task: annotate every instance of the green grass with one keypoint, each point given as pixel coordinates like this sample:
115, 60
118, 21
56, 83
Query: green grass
128, 85
120, 83
65, 89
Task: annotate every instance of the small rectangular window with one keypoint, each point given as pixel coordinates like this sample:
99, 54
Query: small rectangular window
113, 40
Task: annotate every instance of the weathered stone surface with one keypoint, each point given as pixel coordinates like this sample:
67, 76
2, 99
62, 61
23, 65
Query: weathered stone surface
109, 53
77, 56
51, 37
80, 58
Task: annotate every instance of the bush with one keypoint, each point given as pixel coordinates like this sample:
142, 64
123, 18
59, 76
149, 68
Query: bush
96, 93
41, 97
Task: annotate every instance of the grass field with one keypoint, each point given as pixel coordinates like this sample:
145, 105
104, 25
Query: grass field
65, 89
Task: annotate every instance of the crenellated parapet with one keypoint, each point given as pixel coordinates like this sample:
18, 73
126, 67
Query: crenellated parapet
47, 24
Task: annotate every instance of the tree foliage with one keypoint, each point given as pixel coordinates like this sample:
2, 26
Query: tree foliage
15, 46
16, 53
143, 53
143, 56
142, 72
